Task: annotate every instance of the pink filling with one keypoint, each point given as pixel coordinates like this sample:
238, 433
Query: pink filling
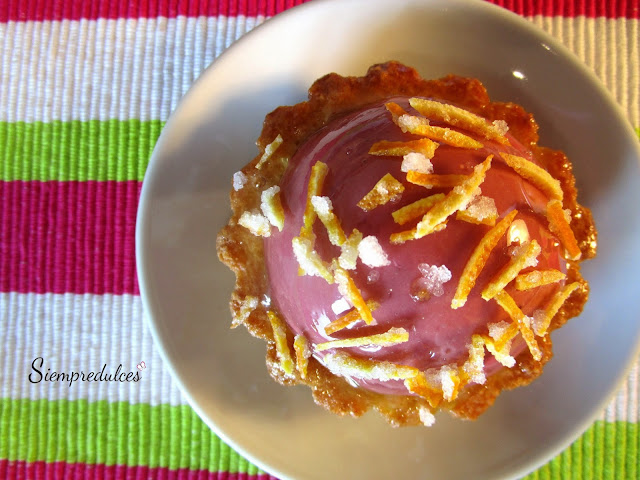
438, 335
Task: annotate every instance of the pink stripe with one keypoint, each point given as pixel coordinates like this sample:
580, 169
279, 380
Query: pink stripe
13, 470
573, 8
68, 237
39, 10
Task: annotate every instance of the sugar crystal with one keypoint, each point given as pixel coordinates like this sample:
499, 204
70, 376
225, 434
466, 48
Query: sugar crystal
408, 122
256, 223
239, 180
434, 277
416, 162
501, 126
322, 205
371, 253
482, 207
426, 417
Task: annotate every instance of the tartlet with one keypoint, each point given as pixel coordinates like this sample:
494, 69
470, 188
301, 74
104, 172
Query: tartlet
405, 245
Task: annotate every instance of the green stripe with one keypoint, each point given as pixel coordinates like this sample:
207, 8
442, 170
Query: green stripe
66, 151
117, 433
605, 451
174, 437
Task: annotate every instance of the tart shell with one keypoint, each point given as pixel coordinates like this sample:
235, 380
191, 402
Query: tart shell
332, 97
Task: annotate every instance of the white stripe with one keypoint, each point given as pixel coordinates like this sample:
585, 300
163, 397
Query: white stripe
107, 69
610, 47
74, 333
140, 68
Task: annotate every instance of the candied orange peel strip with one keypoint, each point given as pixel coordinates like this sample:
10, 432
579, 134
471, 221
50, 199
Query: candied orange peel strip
324, 210
456, 199
509, 305
420, 126
395, 110
271, 206
303, 352
431, 180
480, 211
391, 337
348, 288
405, 235
473, 368
256, 223
502, 355
387, 189
538, 278
420, 386
560, 227
525, 257
458, 117
398, 149
349, 250
349, 318
345, 365
316, 182
542, 325
309, 261
465, 216
503, 333
535, 174
450, 381
416, 209
280, 337
478, 259
269, 150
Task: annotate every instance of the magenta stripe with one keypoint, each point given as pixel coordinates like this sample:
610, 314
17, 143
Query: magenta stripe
573, 8
39, 10
68, 237
14, 470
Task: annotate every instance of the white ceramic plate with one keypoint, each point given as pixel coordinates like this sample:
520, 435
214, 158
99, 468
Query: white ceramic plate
211, 135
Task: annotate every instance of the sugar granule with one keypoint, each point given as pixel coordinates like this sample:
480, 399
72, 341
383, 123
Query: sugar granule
239, 180
538, 319
426, 417
416, 162
482, 207
256, 223
496, 330
448, 385
371, 253
373, 276
271, 206
308, 259
530, 261
349, 251
408, 122
434, 277
501, 126
322, 205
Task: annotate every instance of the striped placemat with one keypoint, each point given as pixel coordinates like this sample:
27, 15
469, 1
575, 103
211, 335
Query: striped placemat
85, 89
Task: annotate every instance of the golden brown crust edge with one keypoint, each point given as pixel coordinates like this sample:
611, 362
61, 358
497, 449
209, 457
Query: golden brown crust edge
333, 96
